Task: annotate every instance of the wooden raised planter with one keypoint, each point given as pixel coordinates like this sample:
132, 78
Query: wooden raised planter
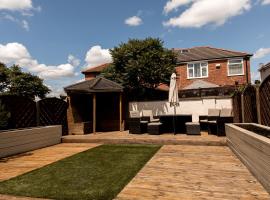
22, 140
251, 143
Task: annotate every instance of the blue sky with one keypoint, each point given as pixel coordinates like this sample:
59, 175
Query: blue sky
57, 39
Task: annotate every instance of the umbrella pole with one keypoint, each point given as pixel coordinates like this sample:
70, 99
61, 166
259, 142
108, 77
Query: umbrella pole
174, 120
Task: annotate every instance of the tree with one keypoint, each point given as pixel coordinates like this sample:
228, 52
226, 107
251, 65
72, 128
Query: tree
141, 64
14, 81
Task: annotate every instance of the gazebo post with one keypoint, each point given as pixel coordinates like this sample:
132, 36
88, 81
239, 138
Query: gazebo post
120, 112
94, 112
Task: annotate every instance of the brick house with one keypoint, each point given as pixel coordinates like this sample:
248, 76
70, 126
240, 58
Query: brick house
203, 67
264, 71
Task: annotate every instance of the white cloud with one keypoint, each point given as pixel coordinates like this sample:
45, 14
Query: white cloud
73, 60
203, 12
265, 2
255, 75
16, 53
262, 52
133, 21
97, 56
23, 23
15, 5
174, 4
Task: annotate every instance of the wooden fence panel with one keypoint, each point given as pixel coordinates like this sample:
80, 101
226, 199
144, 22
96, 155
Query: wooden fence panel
22, 111
264, 94
53, 111
249, 107
237, 109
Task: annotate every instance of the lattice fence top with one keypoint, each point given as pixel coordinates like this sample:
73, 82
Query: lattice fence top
265, 101
22, 111
25, 112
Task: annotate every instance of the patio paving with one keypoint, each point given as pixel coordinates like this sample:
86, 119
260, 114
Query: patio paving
25, 162
193, 172
165, 139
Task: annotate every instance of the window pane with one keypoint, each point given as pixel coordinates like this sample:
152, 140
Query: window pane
204, 71
235, 61
235, 69
190, 72
204, 64
197, 70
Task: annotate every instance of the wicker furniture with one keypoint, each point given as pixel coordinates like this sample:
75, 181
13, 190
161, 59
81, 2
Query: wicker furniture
149, 114
217, 125
154, 128
193, 128
180, 122
134, 122
206, 121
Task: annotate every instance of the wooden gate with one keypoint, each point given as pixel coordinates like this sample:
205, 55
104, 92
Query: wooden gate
22, 111
249, 105
53, 111
237, 111
264, 94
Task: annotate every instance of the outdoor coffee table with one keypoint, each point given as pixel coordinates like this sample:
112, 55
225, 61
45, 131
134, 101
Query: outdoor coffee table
193, 128
154, 128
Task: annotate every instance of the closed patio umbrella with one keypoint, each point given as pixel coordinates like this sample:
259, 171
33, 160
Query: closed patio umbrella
173, 96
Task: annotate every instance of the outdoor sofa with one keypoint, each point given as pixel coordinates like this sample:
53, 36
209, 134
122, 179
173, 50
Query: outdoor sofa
213, 114
218, 126
136, 124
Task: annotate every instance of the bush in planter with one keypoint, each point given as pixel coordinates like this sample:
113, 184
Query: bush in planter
4, 116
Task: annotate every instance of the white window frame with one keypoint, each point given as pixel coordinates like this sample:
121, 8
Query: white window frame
200, 70
228, 67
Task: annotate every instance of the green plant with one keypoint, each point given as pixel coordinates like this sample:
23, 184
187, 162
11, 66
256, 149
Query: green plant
4, 116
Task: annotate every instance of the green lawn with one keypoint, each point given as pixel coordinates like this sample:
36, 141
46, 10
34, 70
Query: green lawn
98, 173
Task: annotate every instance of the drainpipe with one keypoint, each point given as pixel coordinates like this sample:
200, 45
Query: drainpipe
247, 72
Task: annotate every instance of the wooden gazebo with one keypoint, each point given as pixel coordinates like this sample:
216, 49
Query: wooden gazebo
95, 106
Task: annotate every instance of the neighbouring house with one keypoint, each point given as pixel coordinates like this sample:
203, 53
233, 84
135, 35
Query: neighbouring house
264, 70
93, 72
203, 67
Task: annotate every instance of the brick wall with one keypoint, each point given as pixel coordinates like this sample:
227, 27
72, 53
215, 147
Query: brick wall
215, 75
90, 75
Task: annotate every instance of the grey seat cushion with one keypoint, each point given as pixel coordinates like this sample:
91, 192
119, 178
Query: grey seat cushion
212, 122
204, 120
154, 124
193, 123
144, 121
226, 112
213, 112
134, 114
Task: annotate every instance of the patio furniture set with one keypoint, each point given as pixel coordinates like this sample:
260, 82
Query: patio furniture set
214, 123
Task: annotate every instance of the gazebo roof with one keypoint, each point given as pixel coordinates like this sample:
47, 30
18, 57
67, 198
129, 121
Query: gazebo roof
96, 85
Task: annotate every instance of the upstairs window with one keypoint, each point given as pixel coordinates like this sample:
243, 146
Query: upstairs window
235, 67
198, 70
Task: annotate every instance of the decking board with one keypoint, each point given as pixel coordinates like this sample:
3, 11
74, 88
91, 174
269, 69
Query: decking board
194, 172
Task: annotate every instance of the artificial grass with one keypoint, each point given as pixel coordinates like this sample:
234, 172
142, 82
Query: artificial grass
98, 173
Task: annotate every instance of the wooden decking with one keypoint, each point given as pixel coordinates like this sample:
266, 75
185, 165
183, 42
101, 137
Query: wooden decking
165, 139
22, 163
193, 172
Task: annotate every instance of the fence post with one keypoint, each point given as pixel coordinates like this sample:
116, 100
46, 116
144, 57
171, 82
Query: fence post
258, 105
242, 108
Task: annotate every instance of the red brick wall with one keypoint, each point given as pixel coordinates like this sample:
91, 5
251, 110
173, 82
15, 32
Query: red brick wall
89, 76
216, 76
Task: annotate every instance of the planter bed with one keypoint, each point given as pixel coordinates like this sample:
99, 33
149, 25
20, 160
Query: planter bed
251, 143
17, 141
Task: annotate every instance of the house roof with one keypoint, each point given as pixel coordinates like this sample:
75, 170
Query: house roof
98, 68
206, 53
264, 67
200, 84
96, 85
